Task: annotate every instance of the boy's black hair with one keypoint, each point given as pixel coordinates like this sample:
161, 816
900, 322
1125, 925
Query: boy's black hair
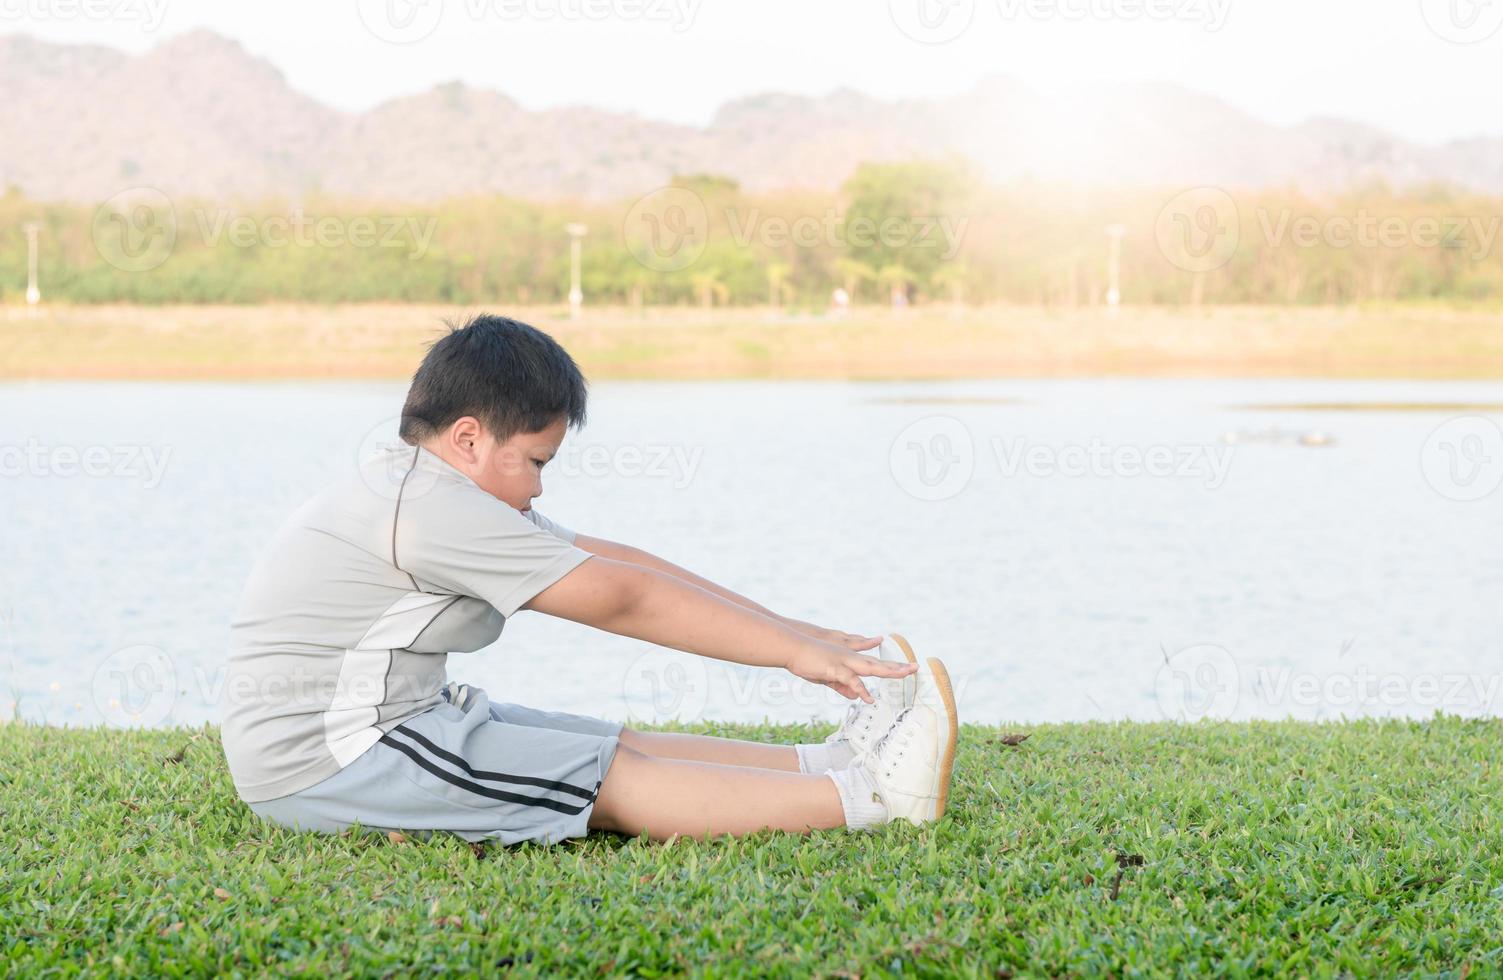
509, 375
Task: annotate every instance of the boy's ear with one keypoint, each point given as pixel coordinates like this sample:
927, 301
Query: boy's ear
462, 437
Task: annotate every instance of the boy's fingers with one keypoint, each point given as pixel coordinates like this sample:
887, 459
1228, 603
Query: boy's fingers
872, 667
851, 687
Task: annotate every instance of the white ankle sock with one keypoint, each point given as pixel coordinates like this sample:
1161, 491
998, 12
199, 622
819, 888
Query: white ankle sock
858, 798
824, 755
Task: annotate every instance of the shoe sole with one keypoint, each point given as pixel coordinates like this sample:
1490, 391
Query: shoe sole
947, 761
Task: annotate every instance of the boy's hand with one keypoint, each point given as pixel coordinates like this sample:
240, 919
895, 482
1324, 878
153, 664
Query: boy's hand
842, 670
633, 600
850, 641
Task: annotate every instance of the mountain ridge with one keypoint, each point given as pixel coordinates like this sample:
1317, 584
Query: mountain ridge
198, 115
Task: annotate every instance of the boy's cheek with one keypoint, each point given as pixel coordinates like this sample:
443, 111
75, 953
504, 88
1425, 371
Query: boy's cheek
506, 464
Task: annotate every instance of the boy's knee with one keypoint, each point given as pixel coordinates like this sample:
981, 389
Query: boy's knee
631, 738
627, 757
612, 796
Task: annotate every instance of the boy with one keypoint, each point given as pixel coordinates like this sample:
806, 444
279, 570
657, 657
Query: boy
338, 711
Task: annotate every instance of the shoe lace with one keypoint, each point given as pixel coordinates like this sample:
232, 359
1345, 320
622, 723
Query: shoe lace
878, 752
857, 712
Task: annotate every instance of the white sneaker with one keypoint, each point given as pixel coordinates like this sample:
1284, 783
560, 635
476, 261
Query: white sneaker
865, 723
911, 766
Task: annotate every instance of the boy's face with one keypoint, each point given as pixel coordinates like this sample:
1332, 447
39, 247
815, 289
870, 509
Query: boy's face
512, 470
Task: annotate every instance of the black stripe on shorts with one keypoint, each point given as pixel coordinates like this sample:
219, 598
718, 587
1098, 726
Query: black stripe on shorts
500, 777
489, 792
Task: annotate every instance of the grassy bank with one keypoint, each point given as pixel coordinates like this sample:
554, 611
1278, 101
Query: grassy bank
1364, 848
386, 341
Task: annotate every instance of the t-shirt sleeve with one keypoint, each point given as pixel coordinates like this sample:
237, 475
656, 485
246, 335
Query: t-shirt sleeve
552, 527
467, 542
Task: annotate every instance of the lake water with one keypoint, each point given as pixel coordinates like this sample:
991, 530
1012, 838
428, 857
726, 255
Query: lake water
1096, 549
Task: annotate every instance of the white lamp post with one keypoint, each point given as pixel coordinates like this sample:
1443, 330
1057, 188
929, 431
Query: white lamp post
576, 232
33, 294
1114, 234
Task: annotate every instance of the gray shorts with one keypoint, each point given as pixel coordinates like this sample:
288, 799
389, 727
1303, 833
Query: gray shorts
479, 770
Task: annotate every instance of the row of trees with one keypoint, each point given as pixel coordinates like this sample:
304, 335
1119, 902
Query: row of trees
905, 232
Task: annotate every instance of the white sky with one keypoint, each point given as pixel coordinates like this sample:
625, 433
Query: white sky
1374, 61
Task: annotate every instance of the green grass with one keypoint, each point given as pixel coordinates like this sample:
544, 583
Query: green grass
1363, 848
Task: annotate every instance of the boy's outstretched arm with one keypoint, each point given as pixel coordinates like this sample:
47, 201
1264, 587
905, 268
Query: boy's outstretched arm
636, 556
646, 604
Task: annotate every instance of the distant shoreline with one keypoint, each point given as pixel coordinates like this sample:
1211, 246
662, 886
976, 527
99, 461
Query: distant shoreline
386, 341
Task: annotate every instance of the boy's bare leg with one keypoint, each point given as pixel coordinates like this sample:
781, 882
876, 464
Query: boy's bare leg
712, 748
681, 796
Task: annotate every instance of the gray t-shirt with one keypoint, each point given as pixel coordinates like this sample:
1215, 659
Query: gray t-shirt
347, 620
